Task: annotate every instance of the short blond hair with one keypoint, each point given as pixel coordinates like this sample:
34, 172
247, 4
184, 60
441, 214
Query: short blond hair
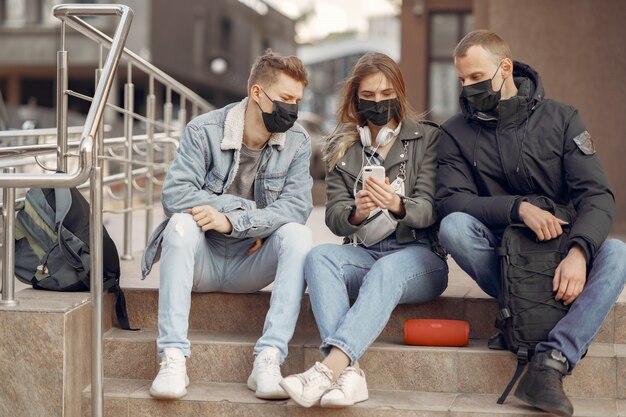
267, 67
490, 41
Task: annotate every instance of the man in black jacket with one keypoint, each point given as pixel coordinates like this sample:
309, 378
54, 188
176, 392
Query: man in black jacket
508, 145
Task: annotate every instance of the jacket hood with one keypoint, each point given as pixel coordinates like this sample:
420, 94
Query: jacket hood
529, 92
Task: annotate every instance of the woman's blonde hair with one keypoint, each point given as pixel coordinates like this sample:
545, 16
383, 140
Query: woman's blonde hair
346, 134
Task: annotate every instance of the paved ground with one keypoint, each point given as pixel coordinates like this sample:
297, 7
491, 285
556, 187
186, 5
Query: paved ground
458, 281
131, 275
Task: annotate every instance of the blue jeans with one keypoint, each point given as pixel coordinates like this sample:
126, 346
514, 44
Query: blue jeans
191, 261
472, 245
379, 278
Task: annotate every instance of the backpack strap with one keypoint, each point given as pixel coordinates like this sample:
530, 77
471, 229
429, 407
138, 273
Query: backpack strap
63, 203
522, 360
120, 307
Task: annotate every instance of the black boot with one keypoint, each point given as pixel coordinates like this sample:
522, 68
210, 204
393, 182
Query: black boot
497, 342
542, 384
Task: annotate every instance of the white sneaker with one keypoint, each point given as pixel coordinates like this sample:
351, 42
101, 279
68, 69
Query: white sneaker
308, 387
265, 376
172, 380
349, 389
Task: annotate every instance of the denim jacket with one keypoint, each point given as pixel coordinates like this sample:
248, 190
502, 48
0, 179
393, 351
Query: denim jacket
206, 164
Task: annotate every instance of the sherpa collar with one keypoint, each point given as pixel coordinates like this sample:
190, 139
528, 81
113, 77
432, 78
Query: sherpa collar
233, 129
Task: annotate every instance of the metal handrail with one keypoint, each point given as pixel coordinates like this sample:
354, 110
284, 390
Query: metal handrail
89, 167
104, 40
25, 151
94, 116
91, 158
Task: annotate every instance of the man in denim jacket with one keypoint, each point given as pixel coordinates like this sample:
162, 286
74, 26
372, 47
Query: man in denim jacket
236, 199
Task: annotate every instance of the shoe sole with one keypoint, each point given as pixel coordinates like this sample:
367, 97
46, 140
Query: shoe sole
301, 402
162, 396
271, 395
545, 407
265, 395
358, 398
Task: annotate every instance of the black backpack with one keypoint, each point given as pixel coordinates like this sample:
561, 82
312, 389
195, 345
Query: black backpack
52, 246
527, 308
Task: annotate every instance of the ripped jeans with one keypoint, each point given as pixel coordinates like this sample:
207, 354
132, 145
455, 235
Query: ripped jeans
193, 261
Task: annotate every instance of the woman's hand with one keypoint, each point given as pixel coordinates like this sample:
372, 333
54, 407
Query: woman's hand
364, 205
384, 197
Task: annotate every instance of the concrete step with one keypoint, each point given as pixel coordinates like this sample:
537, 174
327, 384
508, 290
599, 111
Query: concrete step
389, 365
246, 313
131, 398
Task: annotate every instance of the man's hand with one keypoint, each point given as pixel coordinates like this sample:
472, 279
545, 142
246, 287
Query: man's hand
207, 218
570, 276
384, 197
258, 242
545, 225
364, 205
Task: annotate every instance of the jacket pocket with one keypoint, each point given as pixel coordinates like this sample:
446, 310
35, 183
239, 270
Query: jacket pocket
214, 182
272, 187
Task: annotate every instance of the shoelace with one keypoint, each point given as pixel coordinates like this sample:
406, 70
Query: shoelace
314, 374
170, 365
269, 365
340, 383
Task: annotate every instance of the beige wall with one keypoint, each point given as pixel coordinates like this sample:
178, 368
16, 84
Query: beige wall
414, 44
578, 47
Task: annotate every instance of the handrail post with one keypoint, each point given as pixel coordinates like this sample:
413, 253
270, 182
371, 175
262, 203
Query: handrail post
95, 244
129, 105
8, 262
151, 115
182, 115
62, 104
167, 120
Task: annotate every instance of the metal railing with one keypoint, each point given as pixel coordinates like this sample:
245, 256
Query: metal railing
138, 161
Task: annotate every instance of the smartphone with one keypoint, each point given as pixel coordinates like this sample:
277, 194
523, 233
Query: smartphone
375, 171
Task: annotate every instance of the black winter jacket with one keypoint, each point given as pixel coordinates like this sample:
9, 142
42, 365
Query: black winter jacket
533, 146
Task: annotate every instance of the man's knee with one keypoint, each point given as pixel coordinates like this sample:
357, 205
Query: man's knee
612, 255
614, 248
182, 231
455, 229
295, 235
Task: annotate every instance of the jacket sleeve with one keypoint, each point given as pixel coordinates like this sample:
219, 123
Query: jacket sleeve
294, 204
184, 185
588, 188
339, 203
457, 190
420, 209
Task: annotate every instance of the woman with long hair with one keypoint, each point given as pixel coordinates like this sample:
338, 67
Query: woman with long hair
389, 253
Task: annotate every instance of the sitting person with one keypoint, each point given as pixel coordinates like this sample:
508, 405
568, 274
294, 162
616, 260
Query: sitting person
507, 146
376, 127
236, 199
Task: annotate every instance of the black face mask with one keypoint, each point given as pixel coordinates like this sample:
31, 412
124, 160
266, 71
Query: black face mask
481, 96
282, 117
378, 112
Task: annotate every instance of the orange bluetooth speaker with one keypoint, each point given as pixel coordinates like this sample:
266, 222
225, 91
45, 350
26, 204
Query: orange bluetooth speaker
434, 332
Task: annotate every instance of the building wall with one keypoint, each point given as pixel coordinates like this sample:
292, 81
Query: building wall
415, 44
199, 32
578, 48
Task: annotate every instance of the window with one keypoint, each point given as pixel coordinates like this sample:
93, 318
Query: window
446, 30
39, 10
225, 33
3, 11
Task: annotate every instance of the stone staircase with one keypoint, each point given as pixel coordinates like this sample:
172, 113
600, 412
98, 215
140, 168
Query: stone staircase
403, 380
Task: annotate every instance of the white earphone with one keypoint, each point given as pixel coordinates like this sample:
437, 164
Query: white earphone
384, 136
